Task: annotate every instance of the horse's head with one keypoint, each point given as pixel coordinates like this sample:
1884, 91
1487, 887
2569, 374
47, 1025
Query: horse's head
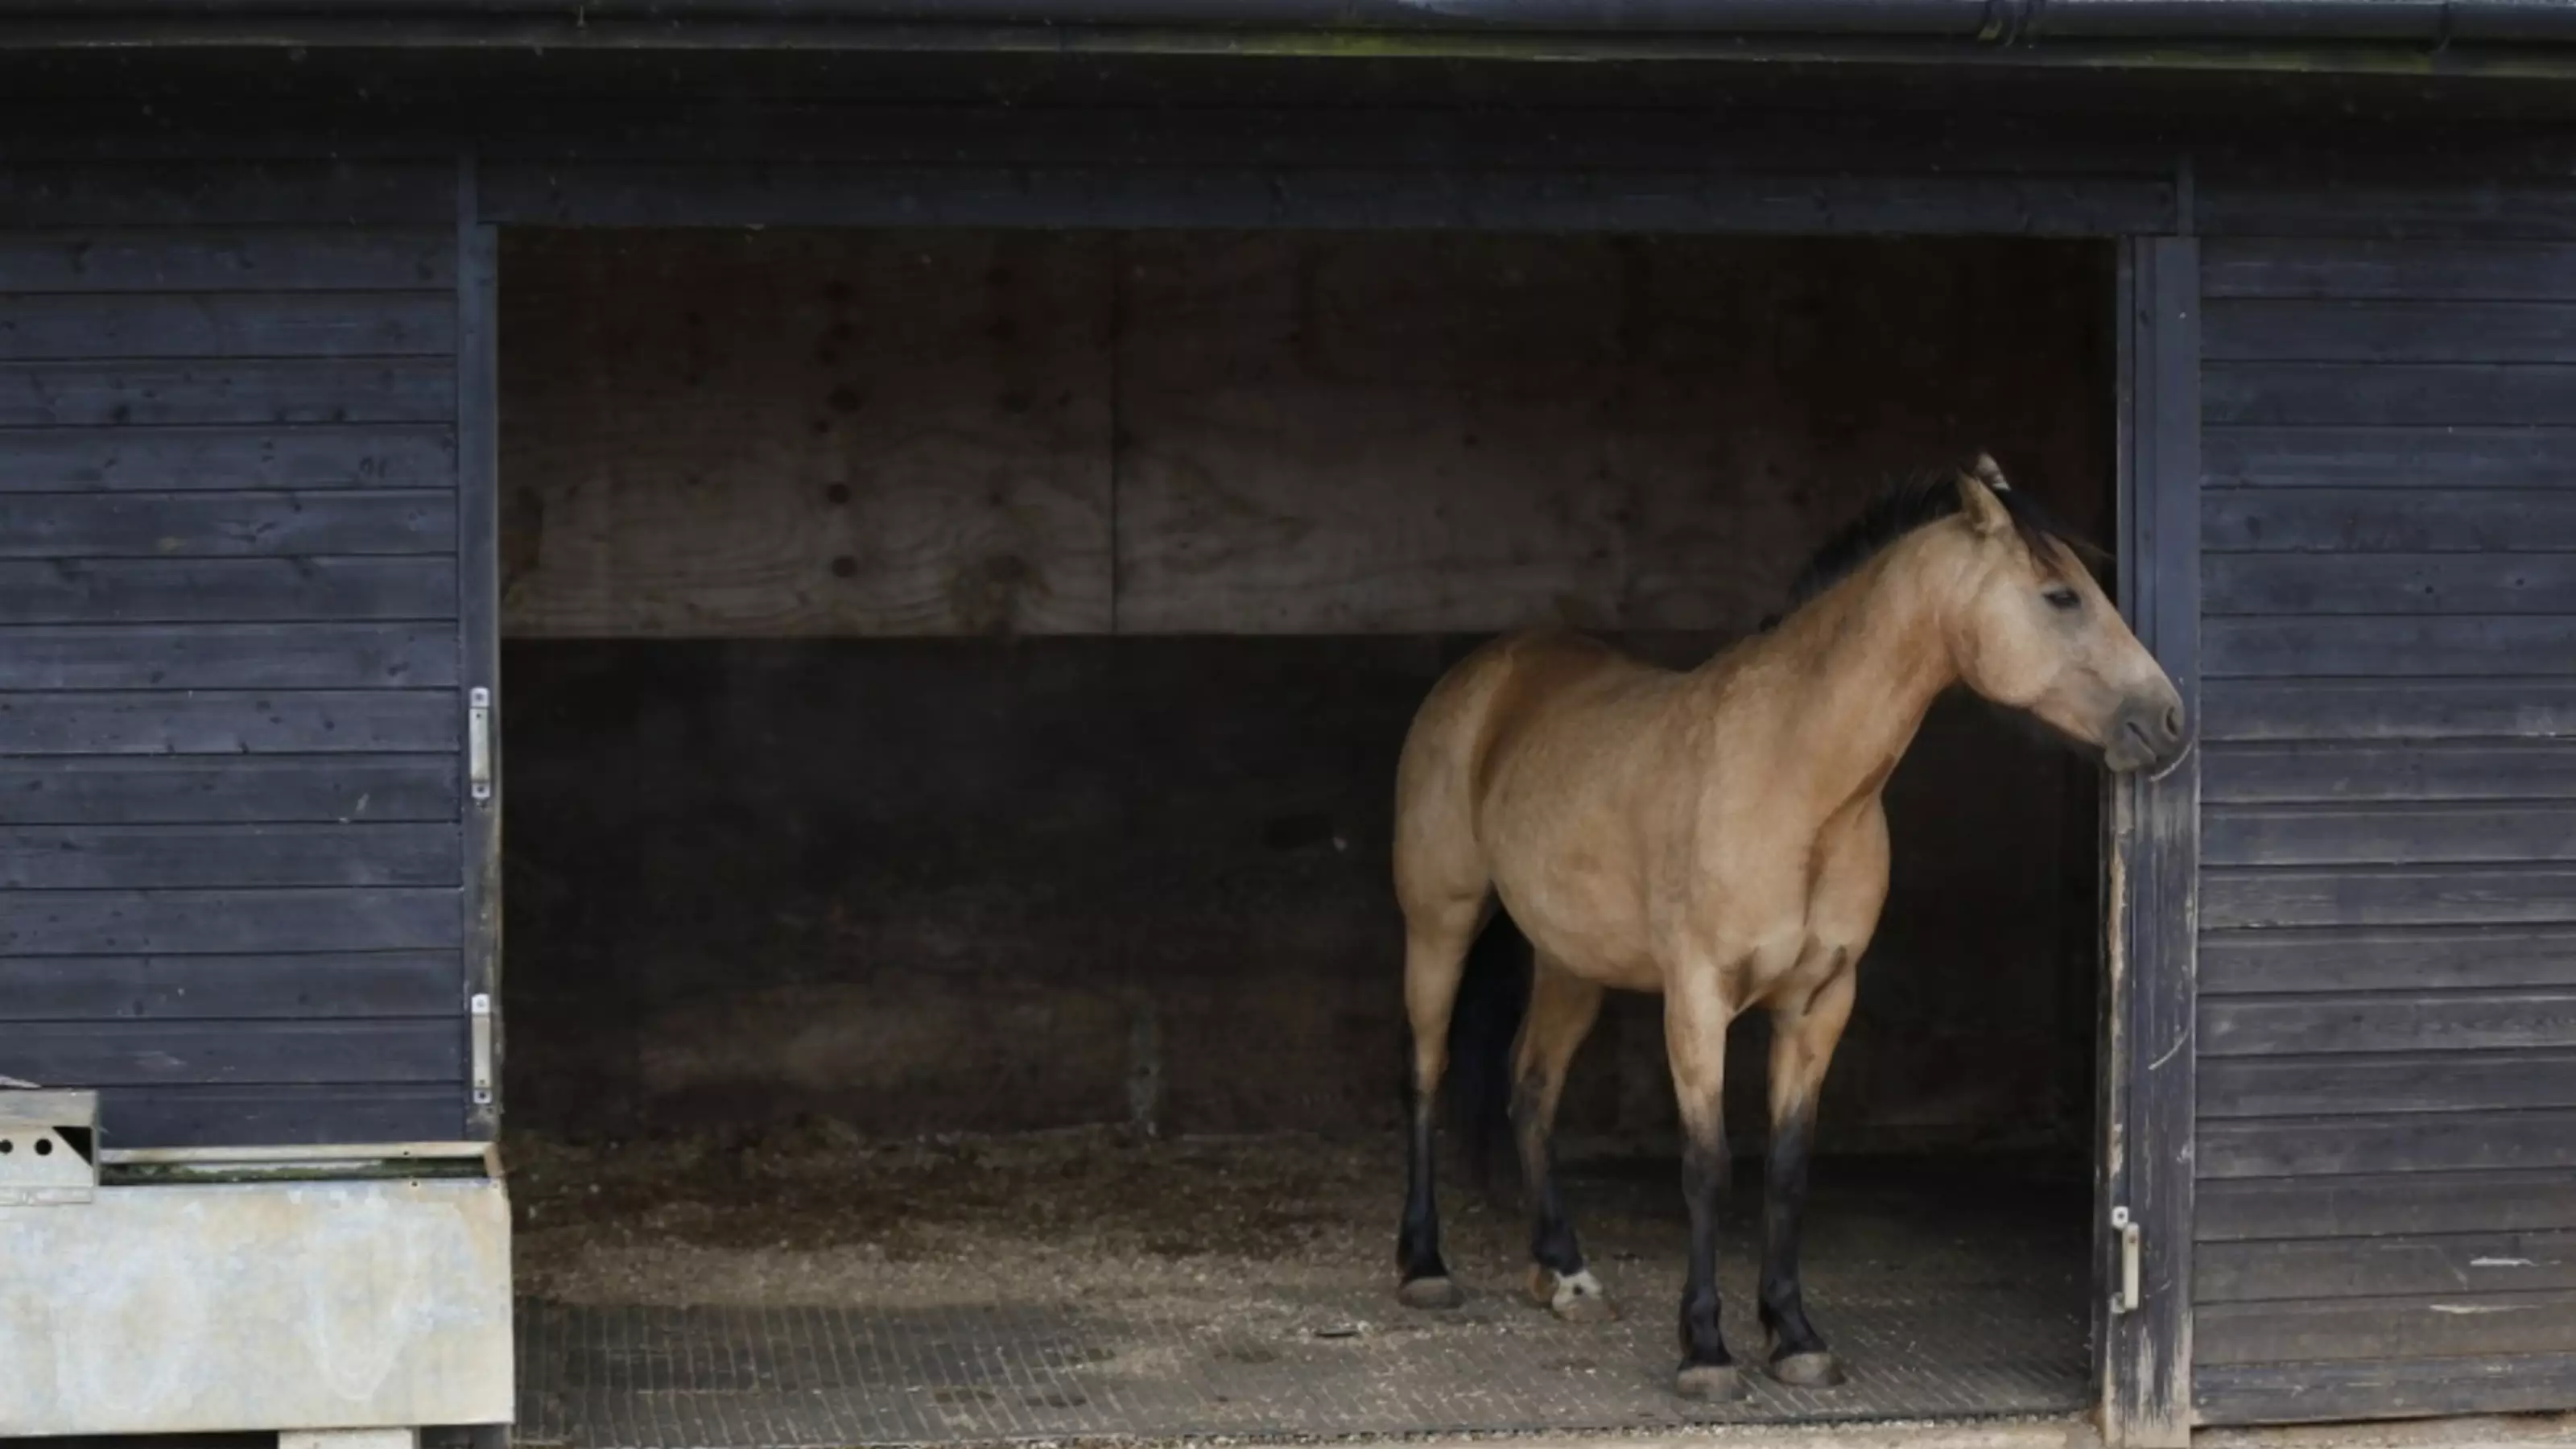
2031, 629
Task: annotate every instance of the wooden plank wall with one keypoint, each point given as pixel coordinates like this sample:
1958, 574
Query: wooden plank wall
713, 434
853, 434
2387, 960
229, 721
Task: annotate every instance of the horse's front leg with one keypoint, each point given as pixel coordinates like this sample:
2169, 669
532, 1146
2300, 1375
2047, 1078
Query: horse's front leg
1803, 1034
1695, 1019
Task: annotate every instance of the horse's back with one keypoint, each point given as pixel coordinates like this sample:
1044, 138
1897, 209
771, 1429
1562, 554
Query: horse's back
1495, 693
1486, 707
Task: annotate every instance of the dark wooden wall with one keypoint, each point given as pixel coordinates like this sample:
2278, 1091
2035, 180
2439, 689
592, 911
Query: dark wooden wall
229, 647
2387, 959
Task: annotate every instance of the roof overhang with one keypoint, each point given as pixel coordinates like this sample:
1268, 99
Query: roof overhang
2448, 37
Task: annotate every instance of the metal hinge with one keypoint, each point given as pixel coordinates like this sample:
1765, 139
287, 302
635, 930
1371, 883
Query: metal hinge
479, 1016
478, 742
2124, 1298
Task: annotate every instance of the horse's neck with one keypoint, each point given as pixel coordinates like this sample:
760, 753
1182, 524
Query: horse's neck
1853, 675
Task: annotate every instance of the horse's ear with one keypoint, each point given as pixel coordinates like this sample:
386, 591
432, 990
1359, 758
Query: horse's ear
1989, 474
1977, 499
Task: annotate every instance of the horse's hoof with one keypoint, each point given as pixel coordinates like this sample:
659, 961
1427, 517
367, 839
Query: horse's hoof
1576, 1298
1430, 1293
1712, 1382
1814, 1369
1587, 1309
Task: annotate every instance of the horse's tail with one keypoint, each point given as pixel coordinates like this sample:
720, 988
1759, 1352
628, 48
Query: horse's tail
1492, 995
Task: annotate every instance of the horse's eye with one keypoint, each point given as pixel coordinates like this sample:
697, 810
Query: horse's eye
2062, 597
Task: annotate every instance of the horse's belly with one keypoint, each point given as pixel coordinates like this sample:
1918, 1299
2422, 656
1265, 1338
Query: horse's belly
1588, 928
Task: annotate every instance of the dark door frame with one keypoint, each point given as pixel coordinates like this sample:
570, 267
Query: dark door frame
2151, 847
478, 584
2151, 853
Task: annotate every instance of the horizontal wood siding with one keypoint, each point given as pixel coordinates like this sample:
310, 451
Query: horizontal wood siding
2321, 1085
2342, 833
247, 324
2273, 1211
204, 265
2390, 1387
230, 800
2429, 1266
222, 199
304, 459
2387, 972
2291, 709
106, 857
1494, 167
230, 988
153, 590
288, 1115
1395, 197
235, 525
2533, 770
225, 722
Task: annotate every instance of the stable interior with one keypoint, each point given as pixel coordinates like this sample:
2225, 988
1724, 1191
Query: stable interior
953, 687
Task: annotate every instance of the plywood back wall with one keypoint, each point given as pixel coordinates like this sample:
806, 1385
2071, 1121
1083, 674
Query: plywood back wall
870, 434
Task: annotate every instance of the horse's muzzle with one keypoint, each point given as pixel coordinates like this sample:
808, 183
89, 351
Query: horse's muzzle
2148, 734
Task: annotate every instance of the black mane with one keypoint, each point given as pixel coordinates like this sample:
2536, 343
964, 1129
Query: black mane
1904, 506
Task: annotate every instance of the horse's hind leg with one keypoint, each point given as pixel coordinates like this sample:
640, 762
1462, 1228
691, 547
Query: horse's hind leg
1562, 1008
1435, 956
1802, 1047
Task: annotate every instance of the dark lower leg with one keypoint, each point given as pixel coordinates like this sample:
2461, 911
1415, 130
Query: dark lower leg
1562, 1008
1695, 1018
1784, 1208
1431, 967
1417, 1243
1551, 1233
1704, 1171
1802, 1046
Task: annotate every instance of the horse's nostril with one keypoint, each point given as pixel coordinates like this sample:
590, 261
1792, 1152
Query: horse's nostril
2173, 723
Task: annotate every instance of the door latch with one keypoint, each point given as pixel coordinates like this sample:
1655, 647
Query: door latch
2124, 1298
479, 1019
478, 742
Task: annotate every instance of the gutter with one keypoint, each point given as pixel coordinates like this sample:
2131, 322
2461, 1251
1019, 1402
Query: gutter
2024, 23
2488, 40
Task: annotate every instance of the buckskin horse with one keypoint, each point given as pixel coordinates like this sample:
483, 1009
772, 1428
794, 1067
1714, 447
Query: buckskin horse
1718, 836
